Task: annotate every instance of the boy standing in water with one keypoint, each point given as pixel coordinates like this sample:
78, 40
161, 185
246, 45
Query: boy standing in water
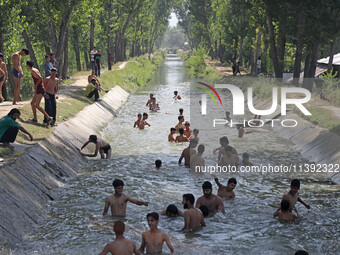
120, 246
117, 202
187, 130
138, 121
188, 152
195, 135
149, 101
226, 191
171, 135
284, 214
224, 141
293, 196
197, 160
180, 123
193, 217
143, 121
181, 137
176, 96
154, 238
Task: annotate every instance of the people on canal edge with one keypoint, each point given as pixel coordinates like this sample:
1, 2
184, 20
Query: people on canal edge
102, 146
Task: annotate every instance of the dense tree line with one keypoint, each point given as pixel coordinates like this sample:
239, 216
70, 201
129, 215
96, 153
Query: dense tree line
71, 28
288, 35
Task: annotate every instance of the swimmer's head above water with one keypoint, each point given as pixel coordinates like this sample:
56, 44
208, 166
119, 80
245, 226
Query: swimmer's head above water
118, 186
172, 211
224, 141
188, 199
207, 189
119, 227
231, 184
294, 186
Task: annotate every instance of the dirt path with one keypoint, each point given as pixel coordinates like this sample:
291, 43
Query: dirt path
222, 69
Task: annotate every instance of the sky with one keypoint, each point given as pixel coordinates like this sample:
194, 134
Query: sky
173, 20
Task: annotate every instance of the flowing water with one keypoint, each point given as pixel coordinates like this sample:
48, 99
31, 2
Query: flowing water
75, 224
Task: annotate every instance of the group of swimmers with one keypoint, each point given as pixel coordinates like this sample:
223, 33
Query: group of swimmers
206, 205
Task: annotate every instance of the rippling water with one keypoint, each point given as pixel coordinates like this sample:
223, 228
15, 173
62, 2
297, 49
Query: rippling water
75, 224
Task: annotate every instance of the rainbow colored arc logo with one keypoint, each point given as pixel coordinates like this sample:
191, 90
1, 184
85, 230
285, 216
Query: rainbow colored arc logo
209, 93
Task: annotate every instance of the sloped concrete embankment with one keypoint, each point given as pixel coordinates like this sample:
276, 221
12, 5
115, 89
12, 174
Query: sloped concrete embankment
31, 179
316, 144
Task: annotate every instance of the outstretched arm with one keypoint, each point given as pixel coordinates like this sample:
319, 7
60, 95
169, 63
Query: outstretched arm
22, 129
306, 205
91, 155
217, 181
106, 250
137, 202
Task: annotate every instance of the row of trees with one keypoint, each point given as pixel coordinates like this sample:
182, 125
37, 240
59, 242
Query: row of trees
278, 31
70, 28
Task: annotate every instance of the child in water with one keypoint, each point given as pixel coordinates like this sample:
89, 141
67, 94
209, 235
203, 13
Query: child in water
138, 121
177, 96
171, 135
285, 214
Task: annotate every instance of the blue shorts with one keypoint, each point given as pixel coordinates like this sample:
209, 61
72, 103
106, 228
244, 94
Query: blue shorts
16, 73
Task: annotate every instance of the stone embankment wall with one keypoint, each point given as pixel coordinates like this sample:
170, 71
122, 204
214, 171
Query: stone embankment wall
32, 178
316, 144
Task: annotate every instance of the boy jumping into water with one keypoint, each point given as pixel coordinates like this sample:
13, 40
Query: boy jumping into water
154, 238
117, 202
120, 246
285, 214
293, 196
226, 191
102, 146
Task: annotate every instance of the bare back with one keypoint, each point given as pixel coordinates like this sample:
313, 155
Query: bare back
193, 219
120, 247
292, 199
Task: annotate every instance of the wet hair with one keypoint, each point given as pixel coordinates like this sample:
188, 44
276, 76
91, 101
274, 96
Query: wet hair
175, 92
154, 215
145, 114
201, 148
93, 138
245, 155
187, 123
94, 81
181, 111
26, 51
158, 163
228, 148
205, 210
301, 252
181, 131
119, 227
232, 180
47, 56
52, 54
224, 139
1, 55
295, 183
195, 131
189, 197
207, 185
151, 94
285, 205
172, 129
117, 182
193, 141
172, 209
30, 63
13, 111
139, 115
180, 117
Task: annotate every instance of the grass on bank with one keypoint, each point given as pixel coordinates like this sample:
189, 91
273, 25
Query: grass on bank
136, 73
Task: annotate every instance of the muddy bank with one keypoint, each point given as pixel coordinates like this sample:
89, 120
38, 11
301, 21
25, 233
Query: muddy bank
31, 178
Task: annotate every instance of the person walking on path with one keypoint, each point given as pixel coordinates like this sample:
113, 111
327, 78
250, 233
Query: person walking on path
97, 63
92, 55
39, 90
17, 73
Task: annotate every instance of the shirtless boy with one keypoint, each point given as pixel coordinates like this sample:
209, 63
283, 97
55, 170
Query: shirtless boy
3, 78
158, 164
245, 160
117, 202
227, 116
197, 160
180, 123
187, 153
293, 196
17, 73
143, 121
213, 202
195, 135
224, 141
154, 238
172, 211
187, 130
228, 158
120, 246
102, 146
181, 111
226, 191
193, 217
138, 121
154, 107
181, 137
177, 96
51, 94
171, 135
149, 101
284, 214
